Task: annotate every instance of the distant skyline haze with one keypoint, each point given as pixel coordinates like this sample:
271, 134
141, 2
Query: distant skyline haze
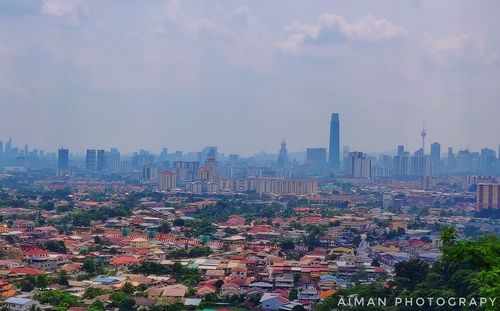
89, 74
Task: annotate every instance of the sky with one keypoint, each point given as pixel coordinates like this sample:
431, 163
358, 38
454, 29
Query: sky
243, 75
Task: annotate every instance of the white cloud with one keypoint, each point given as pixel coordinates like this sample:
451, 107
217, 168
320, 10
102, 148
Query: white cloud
331, 28
62, 7
469, 47
70, 10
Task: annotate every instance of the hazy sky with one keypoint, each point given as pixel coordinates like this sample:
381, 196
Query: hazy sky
242, 75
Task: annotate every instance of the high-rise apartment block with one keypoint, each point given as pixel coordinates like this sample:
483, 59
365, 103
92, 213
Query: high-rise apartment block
168, 180
359, 165
488, 196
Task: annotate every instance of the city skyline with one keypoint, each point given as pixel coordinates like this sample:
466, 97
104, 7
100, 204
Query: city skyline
244, 78
443, 149
241, 155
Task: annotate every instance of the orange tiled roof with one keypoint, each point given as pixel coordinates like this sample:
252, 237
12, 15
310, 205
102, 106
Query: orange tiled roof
29, 271
124, 260
327, 293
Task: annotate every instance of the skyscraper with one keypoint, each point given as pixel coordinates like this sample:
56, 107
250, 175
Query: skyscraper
436, 153
100, 160
334, 150
401, 150
283, 155
63, 159
90, 159
8, 148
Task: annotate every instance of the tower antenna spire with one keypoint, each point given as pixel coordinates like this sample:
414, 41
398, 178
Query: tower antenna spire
423, 134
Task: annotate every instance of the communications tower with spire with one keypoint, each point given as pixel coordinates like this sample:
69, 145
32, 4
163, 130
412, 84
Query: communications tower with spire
423, 134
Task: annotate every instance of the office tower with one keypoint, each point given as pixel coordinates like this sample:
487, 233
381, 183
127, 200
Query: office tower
113, 159
209, 152
488, 196
283, 155
233, 157
435, 154
463, 161
90, 159
420, 165
63, 159
334, 149
26, 151
451, 156
487, 161
401, 150
316, 155
100, 160
401, 165
1, 149
359, 165
8, 148
168, 180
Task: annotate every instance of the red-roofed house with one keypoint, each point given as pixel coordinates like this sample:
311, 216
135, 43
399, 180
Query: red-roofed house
25, 271
124, 262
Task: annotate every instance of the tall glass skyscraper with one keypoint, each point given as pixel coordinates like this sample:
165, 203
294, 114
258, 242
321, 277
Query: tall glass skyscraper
63, 159
334, 150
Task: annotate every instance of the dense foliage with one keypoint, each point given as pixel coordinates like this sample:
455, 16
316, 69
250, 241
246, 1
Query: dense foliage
467, 268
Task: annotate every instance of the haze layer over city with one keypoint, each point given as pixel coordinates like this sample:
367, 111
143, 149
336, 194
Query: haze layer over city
249, 155
240, 76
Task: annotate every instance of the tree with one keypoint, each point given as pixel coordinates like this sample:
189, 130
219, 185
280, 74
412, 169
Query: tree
42, 281
293, 294
287, 244
410, 273
26, 286
448, 236
118, 297
164, 228
211, 297
296, 278
91, 267
58, 298
178, 222
150, 267
127, 305
62, 278
218, 284
128, 288
93, 292
96, 306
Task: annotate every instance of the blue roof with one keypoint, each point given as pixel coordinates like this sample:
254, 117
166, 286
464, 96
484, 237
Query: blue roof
19, 300
332, 277
327, 277
105, 280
